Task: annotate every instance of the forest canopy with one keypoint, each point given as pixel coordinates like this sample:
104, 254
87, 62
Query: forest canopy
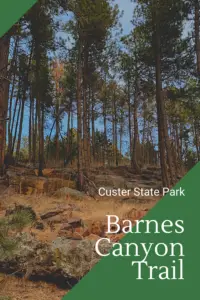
74, 89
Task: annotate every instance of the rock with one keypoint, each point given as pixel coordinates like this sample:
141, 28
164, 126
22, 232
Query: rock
38, 183
65, 226
55, 184
39, 226
63, 192
75, 222
29, 183
69, 258
97, 228
70, 234
93, 237
78, 257
13, 178
68, 231
110, 181
54, 220
65, 233
27, 250
50, 214
86, 232
46, 172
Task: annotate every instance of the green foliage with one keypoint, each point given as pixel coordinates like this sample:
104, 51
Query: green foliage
14, 222
20, 219
150, 15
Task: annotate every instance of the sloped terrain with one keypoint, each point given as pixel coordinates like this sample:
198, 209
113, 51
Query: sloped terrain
67, 225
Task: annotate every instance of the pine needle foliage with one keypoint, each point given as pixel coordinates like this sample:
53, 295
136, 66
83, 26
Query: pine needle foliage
13, 223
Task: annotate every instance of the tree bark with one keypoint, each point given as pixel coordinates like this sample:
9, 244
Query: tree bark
79, 118
30, 127
57, 131
197, 37
134, 160
4, 92
16, 125
93, 126
129, 119
159, 101
20, 125
86, 136
13, 62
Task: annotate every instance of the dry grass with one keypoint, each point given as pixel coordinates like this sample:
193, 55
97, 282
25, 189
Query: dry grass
88, 207
88, 210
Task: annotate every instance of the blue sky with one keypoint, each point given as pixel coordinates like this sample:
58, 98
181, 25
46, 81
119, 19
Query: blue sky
127, 6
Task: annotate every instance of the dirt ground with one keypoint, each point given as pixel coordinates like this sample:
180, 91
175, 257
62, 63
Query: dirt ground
16, 289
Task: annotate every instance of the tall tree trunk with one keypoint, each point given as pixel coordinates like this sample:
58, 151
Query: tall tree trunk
197, 36
79, 118
16, 126
105, 124
181, 141
20, 125
10, 114
93, 127
196, 140
134, 159
57, 131
25, 88
159, 101
13, 63
129, 119
115, 131
12, 122
69, 133
121, 136
42, 161
86, 137
39, 112
35, 131
177, 140
30, 127
4, 92
105, 132
172, 169
40, 133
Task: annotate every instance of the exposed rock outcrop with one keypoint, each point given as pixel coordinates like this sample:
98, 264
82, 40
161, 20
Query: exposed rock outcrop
66, 257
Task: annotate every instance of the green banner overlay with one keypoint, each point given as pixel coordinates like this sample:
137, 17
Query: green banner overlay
11, 11
116, 278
